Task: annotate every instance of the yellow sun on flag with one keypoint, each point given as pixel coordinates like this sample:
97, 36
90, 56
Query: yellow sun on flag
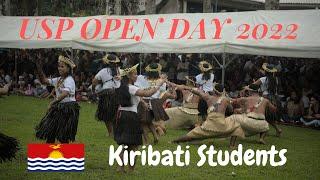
55, 153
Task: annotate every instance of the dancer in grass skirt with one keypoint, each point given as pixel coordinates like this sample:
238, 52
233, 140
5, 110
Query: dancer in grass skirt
215, 125
108, 79
150, 109
268, 87
61, 120
253, 120
205, 83
8, 148
128, 128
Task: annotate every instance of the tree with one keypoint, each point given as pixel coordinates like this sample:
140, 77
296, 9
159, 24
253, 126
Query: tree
207, 6
130, 7
117, 7
271, 4
150, 7
7, 8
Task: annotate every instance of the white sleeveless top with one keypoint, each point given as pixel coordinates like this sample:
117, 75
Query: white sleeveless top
108, 81
134, 100
143, 83
264, 86
67, 85
205, 85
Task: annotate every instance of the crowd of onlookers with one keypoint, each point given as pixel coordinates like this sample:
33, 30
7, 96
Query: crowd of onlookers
298, 86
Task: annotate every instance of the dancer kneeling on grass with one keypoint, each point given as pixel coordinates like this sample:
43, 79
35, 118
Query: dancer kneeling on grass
109, 80
268, 86
205, 82
128, 130
253, 121
215, 124
186, 116
8, 147
61, 121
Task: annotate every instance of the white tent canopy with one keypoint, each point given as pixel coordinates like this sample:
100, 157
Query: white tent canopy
274, 33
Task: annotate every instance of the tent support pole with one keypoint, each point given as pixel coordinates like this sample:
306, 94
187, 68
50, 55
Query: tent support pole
140, 66
214, 57
223, 67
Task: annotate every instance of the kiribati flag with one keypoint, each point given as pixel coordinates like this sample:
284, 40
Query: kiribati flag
60, 157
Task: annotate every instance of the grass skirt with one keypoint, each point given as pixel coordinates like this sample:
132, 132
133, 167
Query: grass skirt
273, 116
8, 147
251, 123
181, 118
157, 113
216, 126
144, 115
128, 130
107, 106
60, 123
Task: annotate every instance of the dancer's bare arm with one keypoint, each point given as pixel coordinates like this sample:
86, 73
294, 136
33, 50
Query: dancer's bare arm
95, 82
272, 107
203, 95
257, 82
42, 77
149, 92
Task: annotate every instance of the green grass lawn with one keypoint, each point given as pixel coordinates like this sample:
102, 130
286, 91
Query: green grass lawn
19, 115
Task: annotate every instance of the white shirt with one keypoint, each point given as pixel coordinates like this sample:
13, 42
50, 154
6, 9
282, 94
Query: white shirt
134, 100
7, 78
205, 85
107, 79
305, 101
67, 85
143, 83
264, 86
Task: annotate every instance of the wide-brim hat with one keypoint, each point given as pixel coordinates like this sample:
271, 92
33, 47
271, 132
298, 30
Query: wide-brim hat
125, 72
269, 68
67, 61
110, 58
204, 66
154, 67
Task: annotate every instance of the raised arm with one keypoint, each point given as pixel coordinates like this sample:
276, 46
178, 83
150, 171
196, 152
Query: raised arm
179, 87
203, 95
147, 92
171, 94
150, 91
257, 82
42, 77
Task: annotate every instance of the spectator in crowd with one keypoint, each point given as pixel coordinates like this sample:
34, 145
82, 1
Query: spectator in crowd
40, 91
4, 78
4, 89
297, 78
183, 70
305, 100
294, 108
313, 117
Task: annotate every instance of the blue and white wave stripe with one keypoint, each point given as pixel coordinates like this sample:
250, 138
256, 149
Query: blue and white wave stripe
52, 164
